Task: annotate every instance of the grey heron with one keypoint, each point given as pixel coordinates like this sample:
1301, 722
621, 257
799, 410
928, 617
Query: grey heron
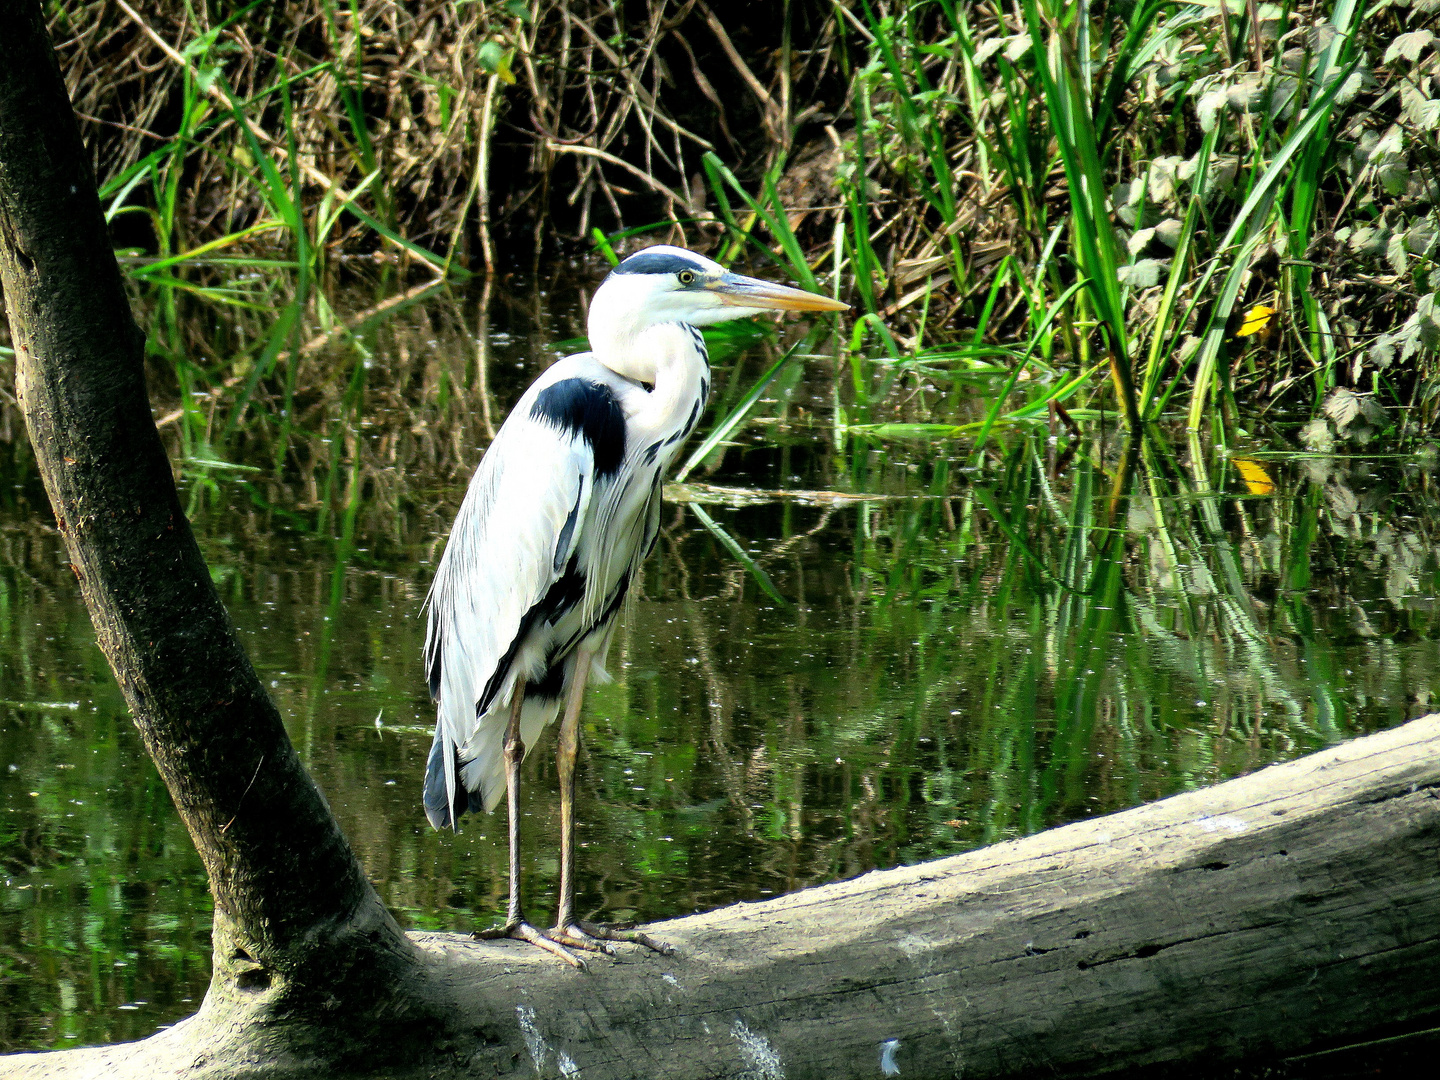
561, 512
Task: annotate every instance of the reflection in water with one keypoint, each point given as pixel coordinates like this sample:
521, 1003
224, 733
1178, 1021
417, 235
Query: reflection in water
961, 653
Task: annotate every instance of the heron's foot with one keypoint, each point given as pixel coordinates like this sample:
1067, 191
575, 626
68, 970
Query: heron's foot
520, 930
598, 933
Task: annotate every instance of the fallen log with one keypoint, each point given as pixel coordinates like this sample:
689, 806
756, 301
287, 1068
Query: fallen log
1283, 912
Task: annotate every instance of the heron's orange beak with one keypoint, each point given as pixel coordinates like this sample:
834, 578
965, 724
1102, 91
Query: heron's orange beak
748, 292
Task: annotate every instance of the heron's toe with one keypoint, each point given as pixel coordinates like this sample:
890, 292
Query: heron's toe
601, 932
523, 931
575, 938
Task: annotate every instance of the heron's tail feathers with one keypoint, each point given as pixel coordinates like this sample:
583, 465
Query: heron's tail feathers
487, 775
439, 807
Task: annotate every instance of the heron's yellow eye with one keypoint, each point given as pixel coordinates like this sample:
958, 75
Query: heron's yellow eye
686, 277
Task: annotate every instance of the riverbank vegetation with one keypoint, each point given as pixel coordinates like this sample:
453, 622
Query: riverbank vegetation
1183, 211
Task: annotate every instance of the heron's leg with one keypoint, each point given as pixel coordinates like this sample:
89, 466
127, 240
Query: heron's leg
515, 925
568, 746
513, 750
568, 929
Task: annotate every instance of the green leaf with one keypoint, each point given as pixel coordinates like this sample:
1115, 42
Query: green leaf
723, 429
494, 59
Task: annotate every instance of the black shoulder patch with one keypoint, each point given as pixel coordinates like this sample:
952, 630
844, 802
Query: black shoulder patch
656, 262
590, 410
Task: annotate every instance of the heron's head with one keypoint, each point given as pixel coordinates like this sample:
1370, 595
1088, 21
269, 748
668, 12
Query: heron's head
671, 285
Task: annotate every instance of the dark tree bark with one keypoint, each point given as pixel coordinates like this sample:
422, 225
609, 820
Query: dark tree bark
294, 914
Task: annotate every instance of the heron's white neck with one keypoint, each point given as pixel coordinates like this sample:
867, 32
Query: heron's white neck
670, 358
617, 333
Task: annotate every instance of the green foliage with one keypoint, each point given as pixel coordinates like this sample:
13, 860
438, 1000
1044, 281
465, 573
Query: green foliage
921, 598
849, 651
1176, 162
1271, 118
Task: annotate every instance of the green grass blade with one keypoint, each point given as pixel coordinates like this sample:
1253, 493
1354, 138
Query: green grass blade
722, 430
740, 554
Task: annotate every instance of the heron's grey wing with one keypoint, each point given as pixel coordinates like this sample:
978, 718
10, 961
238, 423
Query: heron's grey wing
508, 550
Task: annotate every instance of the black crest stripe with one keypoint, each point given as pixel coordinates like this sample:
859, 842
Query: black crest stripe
654, 262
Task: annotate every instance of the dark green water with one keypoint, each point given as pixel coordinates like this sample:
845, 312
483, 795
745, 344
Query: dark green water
963, 652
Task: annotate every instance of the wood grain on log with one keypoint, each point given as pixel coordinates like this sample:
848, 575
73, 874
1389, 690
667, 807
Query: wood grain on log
1285, 911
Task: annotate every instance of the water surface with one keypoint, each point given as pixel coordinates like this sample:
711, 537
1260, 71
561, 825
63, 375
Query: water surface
846, 653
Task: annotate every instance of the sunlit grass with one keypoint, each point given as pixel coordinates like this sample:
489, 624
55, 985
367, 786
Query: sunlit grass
1096, 188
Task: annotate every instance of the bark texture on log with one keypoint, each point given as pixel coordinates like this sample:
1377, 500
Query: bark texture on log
1288, 911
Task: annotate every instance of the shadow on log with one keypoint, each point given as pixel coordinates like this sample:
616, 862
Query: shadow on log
1284, 912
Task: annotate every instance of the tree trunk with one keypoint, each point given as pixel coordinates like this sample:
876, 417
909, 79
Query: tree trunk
295, 918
